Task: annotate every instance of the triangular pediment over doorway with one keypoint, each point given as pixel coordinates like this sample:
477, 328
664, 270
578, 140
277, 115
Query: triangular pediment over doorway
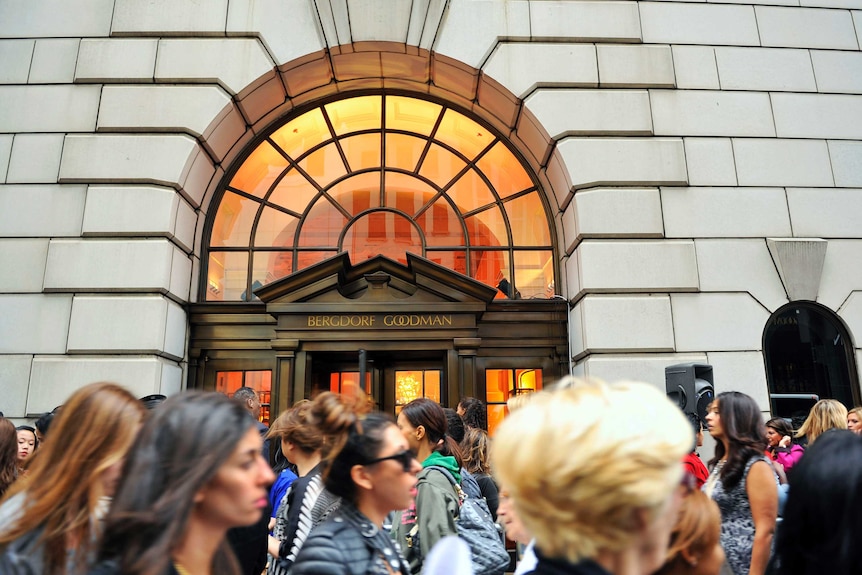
376, 282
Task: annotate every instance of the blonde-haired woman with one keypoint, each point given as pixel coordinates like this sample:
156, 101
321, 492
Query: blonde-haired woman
854, 420
604, 499
50, 520
826, 414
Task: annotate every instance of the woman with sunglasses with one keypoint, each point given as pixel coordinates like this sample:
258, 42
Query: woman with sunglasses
371, 467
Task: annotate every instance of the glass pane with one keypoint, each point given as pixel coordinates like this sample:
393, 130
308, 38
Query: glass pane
293, 192
504, 171
534, 274
275, 229
309, 258
355, 114
470, 192
322, 226
529, 381
268, 267
407, 193
259, 171
411, 115
440, 165
498, 383
227, 382
346, 383
528, 221
496, 413
226, 276
492, 268
359, 193
441, 225
302, 134
454, 260
403, 151
362, 151
432, 384
487, 228
324, 166
463, 134
382, 233
233, 221
261, 382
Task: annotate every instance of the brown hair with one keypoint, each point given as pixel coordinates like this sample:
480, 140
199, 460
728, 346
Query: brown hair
475, 448
92, 432
697, 529
295, 426
8, 454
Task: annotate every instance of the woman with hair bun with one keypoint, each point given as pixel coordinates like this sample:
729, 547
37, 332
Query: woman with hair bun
432, 515
594, 473
372, 469
306, 503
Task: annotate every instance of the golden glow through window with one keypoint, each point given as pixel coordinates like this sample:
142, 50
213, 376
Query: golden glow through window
380, 174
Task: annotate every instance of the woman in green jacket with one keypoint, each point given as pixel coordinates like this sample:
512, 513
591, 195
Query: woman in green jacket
432, 515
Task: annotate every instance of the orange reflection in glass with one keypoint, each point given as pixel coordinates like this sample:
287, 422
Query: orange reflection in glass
534, 273
463, 134
440, 165
226, 276
441, 225
403, 151
259, 171
454, 260
504, 171
324, 165
355, 114
382, 233
275, 229
487, 228
491, 267
411, 115
272, 266
413, 384
470, 192
322, 226
359, 193
302, 133
362, 151
293, 192
407, 193
305, 259
233, 221
527, 219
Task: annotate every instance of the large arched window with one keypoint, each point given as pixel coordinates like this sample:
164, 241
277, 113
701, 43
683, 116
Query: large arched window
380, 174
808, 352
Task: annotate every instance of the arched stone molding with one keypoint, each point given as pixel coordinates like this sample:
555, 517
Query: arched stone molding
363, 66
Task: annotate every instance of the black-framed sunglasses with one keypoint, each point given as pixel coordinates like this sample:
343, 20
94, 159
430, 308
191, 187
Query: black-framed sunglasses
405, 458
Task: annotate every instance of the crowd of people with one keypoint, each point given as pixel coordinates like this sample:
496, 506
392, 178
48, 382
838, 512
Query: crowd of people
584, 478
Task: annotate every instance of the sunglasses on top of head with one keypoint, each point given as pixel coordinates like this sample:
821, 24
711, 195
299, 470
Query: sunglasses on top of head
405, 458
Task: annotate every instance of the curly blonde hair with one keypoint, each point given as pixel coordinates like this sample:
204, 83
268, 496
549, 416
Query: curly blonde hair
582, 463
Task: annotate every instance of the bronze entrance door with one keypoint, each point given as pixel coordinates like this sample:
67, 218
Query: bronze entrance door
392, 379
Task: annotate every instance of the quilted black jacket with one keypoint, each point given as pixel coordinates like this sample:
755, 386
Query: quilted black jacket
348, 544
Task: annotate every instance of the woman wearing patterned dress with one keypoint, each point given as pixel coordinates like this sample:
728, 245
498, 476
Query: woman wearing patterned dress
742, 482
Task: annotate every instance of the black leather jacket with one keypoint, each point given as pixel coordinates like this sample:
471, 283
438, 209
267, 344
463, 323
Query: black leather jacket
348, 544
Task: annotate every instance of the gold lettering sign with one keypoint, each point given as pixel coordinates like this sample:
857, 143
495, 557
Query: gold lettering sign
391, 320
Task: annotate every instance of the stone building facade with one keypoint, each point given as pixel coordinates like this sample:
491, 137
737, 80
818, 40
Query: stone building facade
699, 166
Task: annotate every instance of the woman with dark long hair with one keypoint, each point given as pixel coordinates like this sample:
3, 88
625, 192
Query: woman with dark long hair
780, 446
195, 471
432, 516
822, 523
371, 468
50, 519
742, 482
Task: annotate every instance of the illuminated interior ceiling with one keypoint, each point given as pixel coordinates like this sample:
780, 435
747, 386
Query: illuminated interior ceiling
381, 174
